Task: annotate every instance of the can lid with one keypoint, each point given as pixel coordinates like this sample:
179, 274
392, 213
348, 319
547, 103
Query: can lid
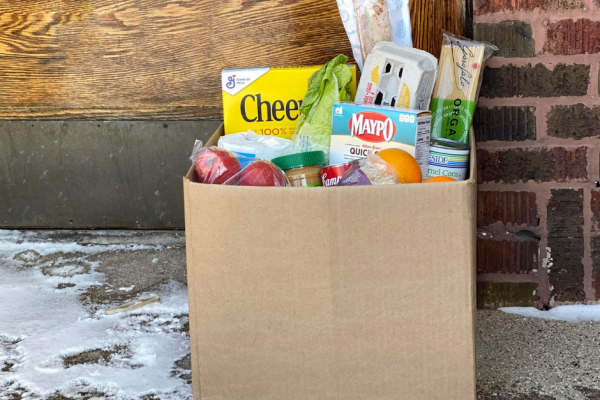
300, 160
449, 143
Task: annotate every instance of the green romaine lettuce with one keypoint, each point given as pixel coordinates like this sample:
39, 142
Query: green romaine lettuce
329, 85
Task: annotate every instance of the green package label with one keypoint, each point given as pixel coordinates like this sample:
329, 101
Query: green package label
452, 119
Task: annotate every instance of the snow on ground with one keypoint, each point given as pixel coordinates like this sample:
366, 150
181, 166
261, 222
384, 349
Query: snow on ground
50, 343
570, 313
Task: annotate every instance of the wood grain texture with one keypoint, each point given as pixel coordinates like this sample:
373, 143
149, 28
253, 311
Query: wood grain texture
149, 59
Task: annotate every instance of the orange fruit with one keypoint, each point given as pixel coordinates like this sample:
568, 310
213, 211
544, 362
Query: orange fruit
406, 167
439, 179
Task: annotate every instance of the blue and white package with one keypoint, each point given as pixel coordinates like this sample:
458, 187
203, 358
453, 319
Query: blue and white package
346, 8
400, 17
358, 130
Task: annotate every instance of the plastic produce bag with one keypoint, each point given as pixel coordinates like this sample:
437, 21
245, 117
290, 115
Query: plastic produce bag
218, 166
372, 170
252, 144
368, 22
329, 85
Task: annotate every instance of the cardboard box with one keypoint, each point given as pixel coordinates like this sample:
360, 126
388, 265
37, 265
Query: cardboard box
332, 293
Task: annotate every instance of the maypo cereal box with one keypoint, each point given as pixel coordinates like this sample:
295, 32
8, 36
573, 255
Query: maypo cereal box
267, 100
359, 130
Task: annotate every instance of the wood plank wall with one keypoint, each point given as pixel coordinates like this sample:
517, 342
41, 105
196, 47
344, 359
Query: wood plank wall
150, 59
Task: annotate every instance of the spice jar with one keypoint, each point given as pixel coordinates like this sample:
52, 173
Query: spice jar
302, 169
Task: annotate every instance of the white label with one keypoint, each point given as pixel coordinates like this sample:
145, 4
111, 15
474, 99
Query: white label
422, 146
234, 80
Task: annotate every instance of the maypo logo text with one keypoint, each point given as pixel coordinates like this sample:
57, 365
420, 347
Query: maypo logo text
372, 127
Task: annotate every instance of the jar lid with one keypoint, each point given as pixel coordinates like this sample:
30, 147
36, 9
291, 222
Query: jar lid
300, 160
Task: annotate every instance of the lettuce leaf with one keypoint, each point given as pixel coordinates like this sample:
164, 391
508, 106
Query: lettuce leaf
329, 85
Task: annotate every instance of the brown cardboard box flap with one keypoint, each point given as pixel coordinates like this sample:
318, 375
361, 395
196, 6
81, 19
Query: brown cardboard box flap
332, 293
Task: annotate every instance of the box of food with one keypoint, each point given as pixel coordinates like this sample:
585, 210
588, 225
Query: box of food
360, 292
359, 130
267, 100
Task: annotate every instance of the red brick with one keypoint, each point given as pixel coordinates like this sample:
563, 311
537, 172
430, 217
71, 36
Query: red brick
490, 6
492, 295
574, 121
595, 206
595, 244
565, 241
507, 256
505, 123
568, 37
535, 81
519, 208
537, 164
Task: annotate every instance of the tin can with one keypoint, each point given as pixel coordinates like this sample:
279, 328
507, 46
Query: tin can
448, 158
332, 174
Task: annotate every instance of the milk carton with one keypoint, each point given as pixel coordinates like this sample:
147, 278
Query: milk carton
397, 76
359, 130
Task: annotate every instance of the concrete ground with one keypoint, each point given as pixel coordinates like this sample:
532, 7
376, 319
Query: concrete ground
517, 358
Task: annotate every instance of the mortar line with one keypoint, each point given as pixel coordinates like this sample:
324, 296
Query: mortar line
541, 122
544, 292
536, 15
587, 251
593, 89
508, 278
536, 101
548, 60
531, 186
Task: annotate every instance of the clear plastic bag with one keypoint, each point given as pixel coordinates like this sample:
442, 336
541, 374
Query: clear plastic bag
372, 170
218, 166
368, 22
254, 145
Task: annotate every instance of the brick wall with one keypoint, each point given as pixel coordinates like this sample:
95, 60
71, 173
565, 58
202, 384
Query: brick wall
538, 132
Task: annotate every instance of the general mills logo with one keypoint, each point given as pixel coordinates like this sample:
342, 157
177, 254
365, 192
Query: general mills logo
230, 82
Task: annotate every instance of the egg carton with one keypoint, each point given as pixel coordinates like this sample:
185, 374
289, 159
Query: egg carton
397, 76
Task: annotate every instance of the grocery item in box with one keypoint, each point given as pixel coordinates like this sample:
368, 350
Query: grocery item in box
217, 166
251, 144
457, 88
327, 86
267, 100
369, 22
302, 169
359, 130
332, 174
372, 170
397, 76
449, 158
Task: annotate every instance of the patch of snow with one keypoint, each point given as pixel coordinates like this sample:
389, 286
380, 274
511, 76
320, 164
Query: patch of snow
570, 313
40, 325
127, 289
154, 261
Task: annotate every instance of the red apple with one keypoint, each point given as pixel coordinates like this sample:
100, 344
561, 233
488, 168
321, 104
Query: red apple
263, 173
217, 166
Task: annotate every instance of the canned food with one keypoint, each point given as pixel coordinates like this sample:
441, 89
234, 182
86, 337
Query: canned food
448, 158
331, 174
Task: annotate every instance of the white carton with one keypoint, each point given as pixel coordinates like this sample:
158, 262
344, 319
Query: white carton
397, 76
359, 130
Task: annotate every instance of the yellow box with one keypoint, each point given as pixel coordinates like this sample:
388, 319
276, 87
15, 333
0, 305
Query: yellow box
267, 100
